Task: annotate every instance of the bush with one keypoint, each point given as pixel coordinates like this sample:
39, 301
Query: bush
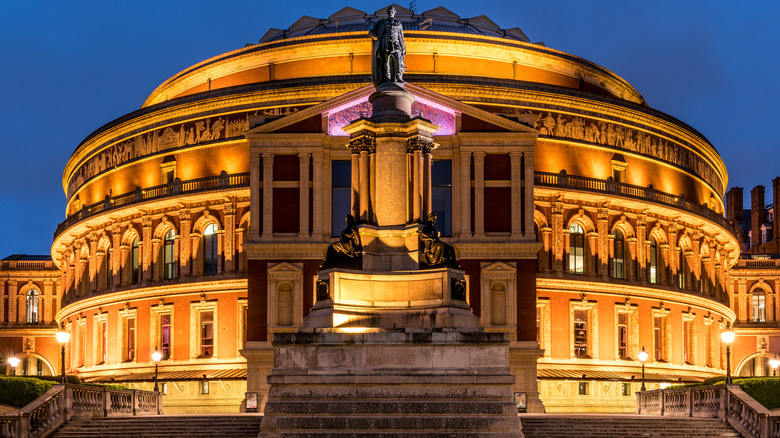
713, 380
20, 391
765, 390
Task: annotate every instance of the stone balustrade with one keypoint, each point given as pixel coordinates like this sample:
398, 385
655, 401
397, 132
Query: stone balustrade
726, 402
63, 402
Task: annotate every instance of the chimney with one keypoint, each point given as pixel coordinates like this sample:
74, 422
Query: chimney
757, 214
734, 205
776, 208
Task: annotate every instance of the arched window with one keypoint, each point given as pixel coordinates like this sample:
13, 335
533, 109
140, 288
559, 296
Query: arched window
618, 254
134, 262
759, 306
683, 271
210, 253
169, 259
652, 262
576, 249
33, 297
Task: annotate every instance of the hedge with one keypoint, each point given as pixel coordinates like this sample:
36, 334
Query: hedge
765, 390
20, 391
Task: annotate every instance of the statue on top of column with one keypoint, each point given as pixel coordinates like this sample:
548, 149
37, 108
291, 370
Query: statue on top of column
389, 50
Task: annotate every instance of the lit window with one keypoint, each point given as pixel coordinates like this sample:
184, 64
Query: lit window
622, 332
708, 340
134, 271
341, 194
207, 333
759, 306
33, 303
204, 387
576, 249
583, 388
580, 328
441, 195
688, 341
169, 267
659, 338
130, 340
652, 263
100, 342
210, 254
625, 389
618, 254
165, 336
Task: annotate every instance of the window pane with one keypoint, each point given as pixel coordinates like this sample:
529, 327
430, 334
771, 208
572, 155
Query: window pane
341, 197
580, 333
441, 195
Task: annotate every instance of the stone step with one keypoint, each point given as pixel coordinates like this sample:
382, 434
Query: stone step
209, 426
376, 407
405, 422
629, 426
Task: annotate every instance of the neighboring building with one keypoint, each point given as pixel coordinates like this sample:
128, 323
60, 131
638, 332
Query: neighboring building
161, 247
754, 281
29, 299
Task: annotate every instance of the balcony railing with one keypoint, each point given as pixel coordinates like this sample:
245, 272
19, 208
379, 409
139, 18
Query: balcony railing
727, 402
609, 186
178, 187
63, 402
26, 265
758, 263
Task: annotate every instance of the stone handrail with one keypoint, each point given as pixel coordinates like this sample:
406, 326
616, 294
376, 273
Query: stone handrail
727, 402
562, 179
178, 187
63, 402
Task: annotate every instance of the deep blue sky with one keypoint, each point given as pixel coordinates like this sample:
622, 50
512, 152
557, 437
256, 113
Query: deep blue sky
69, 67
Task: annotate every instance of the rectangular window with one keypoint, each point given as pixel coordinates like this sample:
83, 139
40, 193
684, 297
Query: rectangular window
82, 341
164, 388
207, 333
583, 388
134, 262
658, 338
341, 194
708, 344
101, 342
622, 332
759, 306
580, 333
625, 389
441, 195
204, 387
165, 336
109, 270
652, 268
130, 340
687, 353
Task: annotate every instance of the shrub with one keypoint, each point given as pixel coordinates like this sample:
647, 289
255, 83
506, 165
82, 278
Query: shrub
765, 390
713, 380
20, 391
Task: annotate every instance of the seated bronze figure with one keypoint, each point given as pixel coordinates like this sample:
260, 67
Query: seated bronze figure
347, 252
433, 252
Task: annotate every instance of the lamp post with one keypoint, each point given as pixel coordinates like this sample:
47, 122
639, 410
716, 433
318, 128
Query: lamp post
14, 362
156, 356
643, 358
62, 338
727, 336
774, 362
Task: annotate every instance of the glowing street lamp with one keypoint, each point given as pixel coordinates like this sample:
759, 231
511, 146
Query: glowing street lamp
156, 356
727, 336
643, 358
14, 362
774, 363
62, 338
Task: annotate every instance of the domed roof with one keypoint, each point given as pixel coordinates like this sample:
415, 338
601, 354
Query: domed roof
352, 20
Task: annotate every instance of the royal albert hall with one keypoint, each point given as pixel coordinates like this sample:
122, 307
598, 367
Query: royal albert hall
590, 226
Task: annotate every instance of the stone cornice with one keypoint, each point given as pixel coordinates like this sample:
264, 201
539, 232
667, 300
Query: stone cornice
153, 292
497, 250
275, 250
553, 285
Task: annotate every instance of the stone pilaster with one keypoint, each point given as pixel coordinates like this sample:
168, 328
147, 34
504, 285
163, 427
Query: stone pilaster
303, 198
268, 195
479, 194
229, 246
516, 188
185, 226
254, 188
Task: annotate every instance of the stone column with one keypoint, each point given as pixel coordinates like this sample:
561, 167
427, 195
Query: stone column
663, 264
117, 257
303, 197
229, 209
220, 246
628, 259
427, 181
268, 195
605, 238
417, 189
146, 248
355, 181
364, 185
48, 300
2, 302
240, 246
317, 189
517, 174
13, 301
528, 189
185, 226
743, 304
642, 248
94, 263
255, 183
547, 234
673, 256
591, 266
557, 237
479, 193
465, 194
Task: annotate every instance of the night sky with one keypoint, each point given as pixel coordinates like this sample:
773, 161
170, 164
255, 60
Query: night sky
70, 67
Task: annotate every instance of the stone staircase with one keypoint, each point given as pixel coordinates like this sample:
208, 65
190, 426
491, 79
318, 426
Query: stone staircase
621, 426
179, 426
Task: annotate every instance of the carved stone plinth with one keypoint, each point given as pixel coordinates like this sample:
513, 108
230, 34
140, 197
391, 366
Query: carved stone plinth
400, 383
432, 298
391, 103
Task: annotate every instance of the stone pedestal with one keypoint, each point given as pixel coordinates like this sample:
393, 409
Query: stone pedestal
391, 383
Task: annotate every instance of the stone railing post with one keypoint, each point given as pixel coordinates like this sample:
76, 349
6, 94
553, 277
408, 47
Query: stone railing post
689, 401
135, 402
159, 403
68, 402
106, 402
723, 410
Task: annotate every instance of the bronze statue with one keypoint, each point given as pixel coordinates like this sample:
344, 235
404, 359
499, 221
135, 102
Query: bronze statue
433, 252
347, 251
389, 50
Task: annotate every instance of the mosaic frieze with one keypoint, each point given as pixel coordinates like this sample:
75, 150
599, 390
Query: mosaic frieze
171, 137
338, 120
565, 126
